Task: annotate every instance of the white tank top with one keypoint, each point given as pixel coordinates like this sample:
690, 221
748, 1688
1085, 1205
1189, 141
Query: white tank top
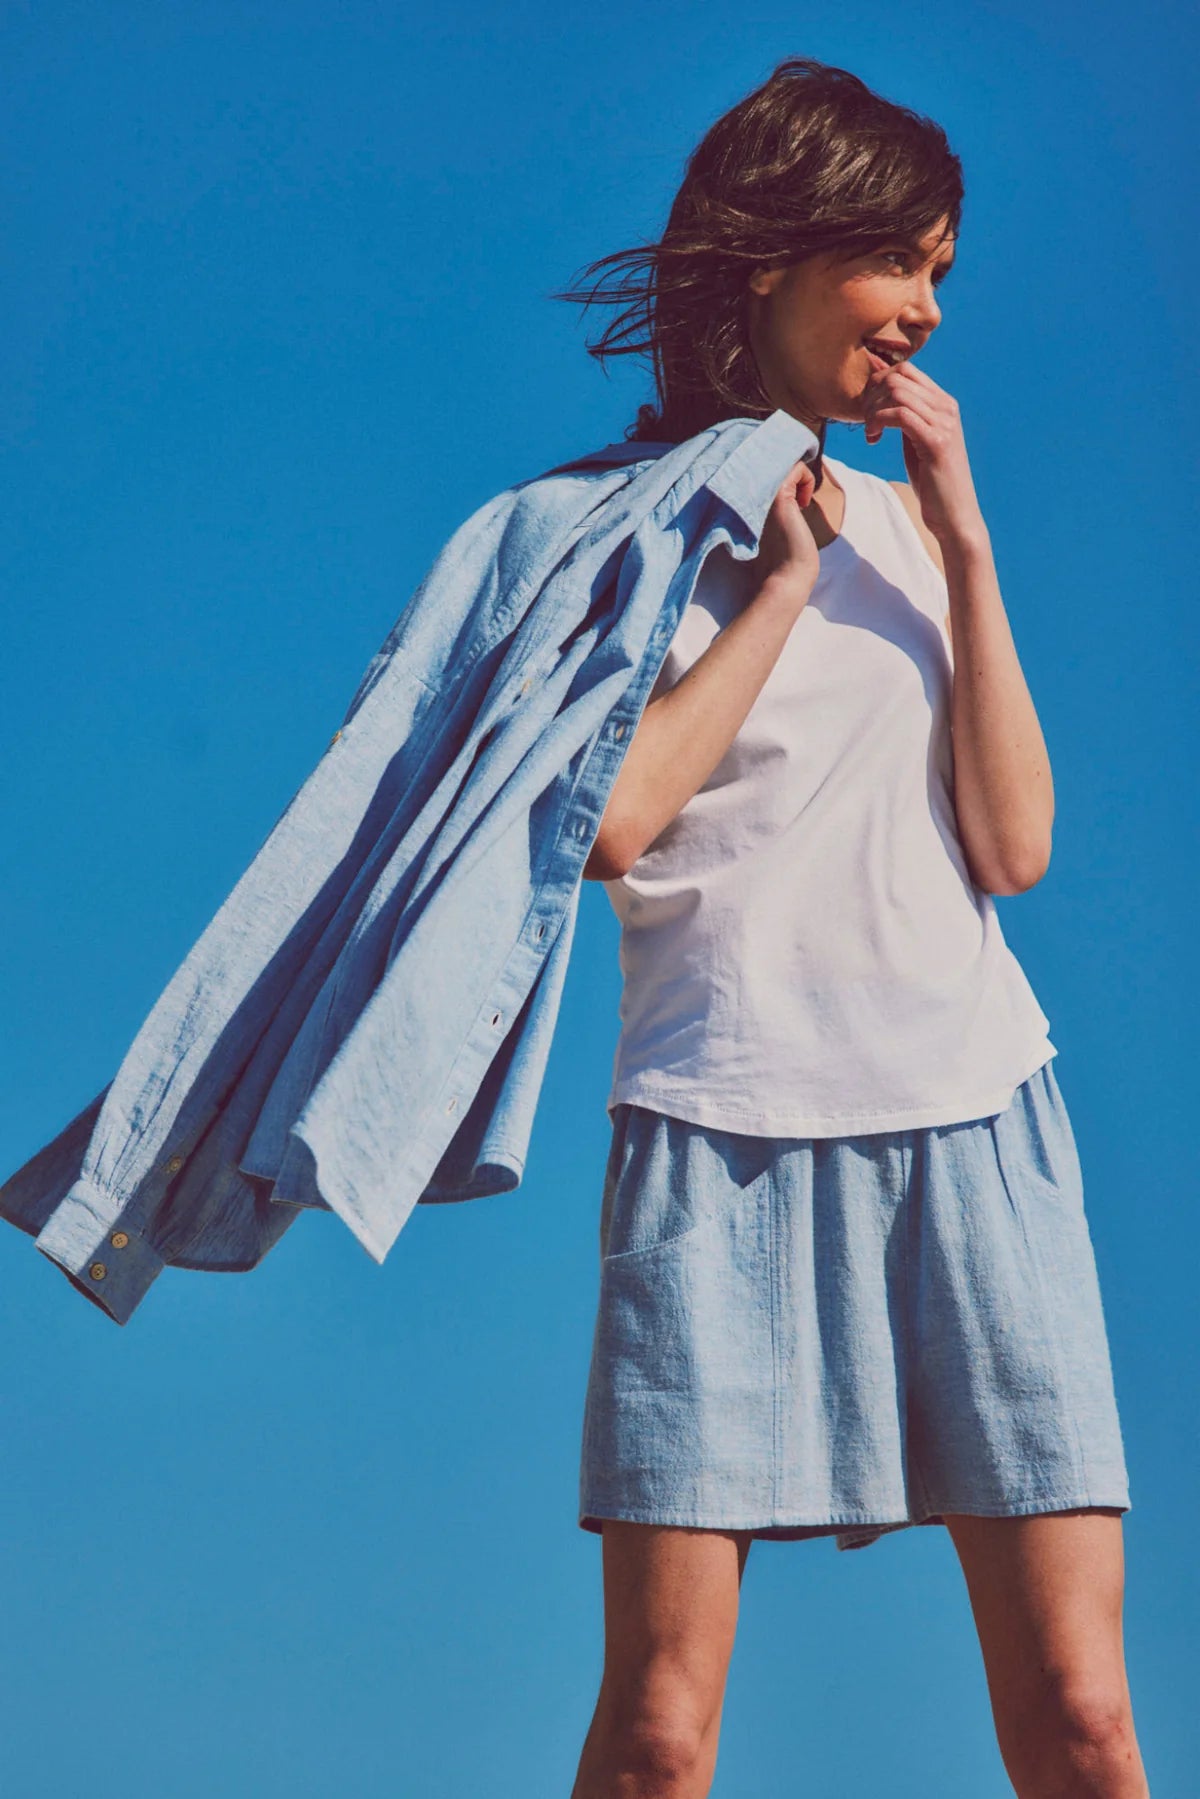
803, 951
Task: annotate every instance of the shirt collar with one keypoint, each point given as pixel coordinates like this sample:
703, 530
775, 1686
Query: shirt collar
748, 478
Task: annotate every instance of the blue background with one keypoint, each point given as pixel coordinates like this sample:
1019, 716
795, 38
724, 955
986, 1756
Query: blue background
275, 320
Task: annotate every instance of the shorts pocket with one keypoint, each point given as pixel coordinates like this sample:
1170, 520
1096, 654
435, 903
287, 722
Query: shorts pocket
667, 1179
1038, 1145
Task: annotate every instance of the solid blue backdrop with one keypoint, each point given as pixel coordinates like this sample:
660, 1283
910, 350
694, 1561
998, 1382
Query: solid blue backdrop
275, 320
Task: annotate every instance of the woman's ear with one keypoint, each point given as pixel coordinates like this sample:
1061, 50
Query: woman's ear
764, 281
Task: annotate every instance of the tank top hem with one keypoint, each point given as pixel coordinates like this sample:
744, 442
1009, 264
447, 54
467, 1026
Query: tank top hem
694, 1107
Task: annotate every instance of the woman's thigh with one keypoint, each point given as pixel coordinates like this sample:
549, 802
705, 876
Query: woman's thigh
1047, 1595
670, 1615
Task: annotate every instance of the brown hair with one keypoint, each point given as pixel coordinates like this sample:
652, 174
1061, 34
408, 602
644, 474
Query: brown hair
811, 161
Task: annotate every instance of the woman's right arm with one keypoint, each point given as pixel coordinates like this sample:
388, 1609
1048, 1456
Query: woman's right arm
683, 734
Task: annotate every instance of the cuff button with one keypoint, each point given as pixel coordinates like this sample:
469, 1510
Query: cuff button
119, 1239
97, 1271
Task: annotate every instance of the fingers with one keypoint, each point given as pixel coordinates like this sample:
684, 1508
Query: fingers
911, 372
800, 483
906, 397
905, 384
915, 406
924, 432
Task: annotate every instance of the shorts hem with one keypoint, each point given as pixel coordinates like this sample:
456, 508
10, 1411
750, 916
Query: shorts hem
850, 1524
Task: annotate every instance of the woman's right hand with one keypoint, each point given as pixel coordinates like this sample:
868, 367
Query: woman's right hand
788, 556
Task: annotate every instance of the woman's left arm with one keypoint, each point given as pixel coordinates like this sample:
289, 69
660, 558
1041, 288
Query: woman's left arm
1003, 790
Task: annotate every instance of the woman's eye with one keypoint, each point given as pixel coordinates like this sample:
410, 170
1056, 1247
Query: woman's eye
904, 256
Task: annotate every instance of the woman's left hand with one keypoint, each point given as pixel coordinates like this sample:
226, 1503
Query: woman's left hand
935, 451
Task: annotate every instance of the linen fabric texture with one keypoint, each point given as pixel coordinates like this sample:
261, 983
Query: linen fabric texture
306, 1055
848, 1336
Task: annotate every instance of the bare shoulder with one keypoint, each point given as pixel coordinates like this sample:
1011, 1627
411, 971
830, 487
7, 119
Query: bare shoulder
913, 506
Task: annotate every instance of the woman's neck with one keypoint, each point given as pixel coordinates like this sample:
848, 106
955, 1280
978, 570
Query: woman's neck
826, 510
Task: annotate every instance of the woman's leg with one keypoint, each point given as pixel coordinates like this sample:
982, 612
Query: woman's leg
1047, 1592
670, 1612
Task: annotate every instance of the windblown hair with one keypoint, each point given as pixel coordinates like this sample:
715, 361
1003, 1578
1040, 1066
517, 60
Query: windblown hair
812, 161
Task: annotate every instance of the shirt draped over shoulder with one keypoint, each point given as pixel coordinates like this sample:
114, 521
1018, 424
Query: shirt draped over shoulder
365, 1022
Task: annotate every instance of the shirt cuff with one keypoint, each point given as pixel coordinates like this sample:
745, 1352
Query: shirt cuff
109, 1261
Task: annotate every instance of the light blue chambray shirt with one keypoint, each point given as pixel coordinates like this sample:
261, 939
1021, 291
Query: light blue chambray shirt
365, 1022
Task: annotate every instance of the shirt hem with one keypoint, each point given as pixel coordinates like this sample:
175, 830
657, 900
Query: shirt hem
693, 1109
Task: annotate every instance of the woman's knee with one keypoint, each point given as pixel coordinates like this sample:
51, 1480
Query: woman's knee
1072, 1727
658, 1728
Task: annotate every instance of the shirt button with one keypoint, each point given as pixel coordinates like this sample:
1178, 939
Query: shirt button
119, 1239
97, 1271
450, 1107
175, 1164
334, 739
618, 730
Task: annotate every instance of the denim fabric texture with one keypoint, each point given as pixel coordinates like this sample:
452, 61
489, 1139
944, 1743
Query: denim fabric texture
365, 1022
845, 1336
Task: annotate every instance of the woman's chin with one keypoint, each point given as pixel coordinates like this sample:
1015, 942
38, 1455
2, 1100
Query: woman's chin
846, 403
849, 410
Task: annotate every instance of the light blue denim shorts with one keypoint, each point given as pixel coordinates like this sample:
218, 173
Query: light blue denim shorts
844, 1336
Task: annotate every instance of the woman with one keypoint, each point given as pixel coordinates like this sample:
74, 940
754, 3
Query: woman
847, 1283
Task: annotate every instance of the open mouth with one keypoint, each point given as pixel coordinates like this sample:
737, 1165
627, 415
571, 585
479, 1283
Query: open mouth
886, 353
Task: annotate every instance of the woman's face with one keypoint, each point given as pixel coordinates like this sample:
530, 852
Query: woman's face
810, 322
